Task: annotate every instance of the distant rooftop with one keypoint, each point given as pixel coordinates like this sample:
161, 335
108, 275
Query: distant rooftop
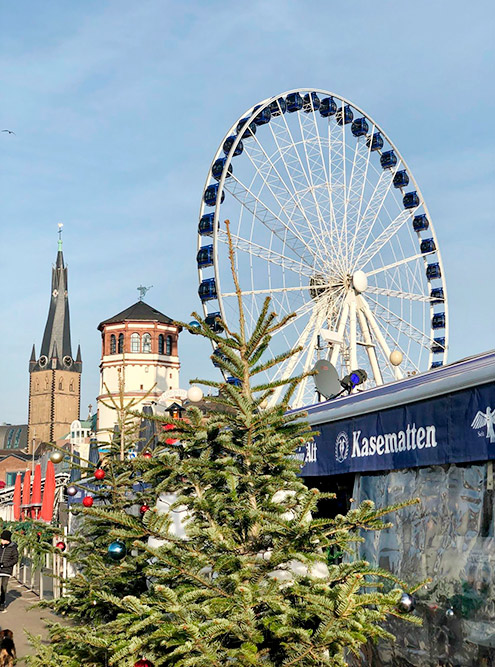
138, 311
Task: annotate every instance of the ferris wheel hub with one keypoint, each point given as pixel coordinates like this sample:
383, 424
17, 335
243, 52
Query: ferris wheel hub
360, 281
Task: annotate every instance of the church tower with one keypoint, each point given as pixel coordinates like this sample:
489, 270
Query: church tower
54, 376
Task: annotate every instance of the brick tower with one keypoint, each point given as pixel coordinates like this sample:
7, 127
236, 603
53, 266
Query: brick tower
54, 376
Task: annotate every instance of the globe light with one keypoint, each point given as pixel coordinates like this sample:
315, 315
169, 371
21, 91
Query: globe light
194, 394
396, 357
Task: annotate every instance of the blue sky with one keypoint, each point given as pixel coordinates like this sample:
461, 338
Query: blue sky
118, 108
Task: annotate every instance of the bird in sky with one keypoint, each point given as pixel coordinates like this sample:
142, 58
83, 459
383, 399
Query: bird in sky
8, 131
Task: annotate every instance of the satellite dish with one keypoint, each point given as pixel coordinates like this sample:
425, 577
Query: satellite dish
326, 379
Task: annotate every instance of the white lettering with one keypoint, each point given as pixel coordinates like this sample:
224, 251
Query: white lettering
355, 444
387, 443
402, 441
420, 438
431, 440
379, 444
390, 442
364, 447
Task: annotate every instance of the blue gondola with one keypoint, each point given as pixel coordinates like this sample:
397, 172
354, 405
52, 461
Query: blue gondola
217, 169
433, 271
211, 321
420, 223
235, 381
227, 145
204, 257
359, 127
410, 199
376, 142
311, 102
401, 179
388, 159
263, 117
427, 245
344, 116
328, 106
436, 364
278, 107
218, 354
437, 295
250, 129
207, 290
438, 345
294, 102
438, 321
211, 194
205, 227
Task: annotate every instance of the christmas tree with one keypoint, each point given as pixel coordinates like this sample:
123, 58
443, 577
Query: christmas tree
244, 577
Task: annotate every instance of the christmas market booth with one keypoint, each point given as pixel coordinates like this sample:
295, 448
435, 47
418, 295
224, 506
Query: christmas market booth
430, 436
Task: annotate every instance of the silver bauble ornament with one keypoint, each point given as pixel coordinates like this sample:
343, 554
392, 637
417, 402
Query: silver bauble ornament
71, 490
449, 613
56, 456
406, 603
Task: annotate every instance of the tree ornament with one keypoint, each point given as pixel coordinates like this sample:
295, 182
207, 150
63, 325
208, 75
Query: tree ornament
2, 484
147, 455
99, 473
71, 490
168, 427
61, 545
171, 441
194, 394
56, 456
194, 324
449, 613
406, 603
143, 663
88, 501
144, 508
117, 550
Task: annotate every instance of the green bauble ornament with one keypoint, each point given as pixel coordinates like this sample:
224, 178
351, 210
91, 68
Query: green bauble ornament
117, 550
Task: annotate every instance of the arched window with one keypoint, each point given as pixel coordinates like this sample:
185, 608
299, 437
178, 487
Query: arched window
135, 342
61, 384
146, 343
37, 385
121, 344
71, 386
168, 349
161, 344
113, 344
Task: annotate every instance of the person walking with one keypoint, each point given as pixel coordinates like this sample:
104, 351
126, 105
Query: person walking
8, 558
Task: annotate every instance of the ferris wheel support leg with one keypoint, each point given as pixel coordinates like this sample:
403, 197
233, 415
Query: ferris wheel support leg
379, 336
369, 347
340, 333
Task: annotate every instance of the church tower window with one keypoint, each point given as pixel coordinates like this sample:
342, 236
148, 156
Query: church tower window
113, 344
61, 385
135, 342
121, 344
146, 343
168, 350
161, 344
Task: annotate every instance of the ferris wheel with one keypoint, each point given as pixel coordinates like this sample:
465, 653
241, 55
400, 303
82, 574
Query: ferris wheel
327, 220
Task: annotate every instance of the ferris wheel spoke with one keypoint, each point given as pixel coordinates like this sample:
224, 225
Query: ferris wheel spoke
357, 182
399, 262
277, 187
267, 291
372, 211
366, 255
369, 347
267, 217
397, 346
341, 325
266, 254
379, 336
399, 323
300, 182
397, 294
308, 361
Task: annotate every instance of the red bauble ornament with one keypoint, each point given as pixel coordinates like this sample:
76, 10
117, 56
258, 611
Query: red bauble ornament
88, 501
144, 508
168, 427
143, 663
61, 545
170, 441
99, 473
147, 455
2, 484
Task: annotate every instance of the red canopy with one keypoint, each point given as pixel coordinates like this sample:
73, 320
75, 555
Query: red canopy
17, 498
36, 495
48, 494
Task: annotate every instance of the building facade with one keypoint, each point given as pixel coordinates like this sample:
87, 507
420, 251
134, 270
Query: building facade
54, 375
139, 362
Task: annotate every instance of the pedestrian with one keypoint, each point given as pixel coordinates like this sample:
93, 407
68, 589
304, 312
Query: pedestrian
8, 558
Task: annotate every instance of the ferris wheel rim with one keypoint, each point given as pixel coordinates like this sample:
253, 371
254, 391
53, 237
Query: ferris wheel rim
248, 116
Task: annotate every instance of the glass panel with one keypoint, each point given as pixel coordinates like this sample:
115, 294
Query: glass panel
146, 343
135, 343
168, 351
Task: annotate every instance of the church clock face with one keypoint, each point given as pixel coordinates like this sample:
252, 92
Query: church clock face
43, 361
55, 293
67, 361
